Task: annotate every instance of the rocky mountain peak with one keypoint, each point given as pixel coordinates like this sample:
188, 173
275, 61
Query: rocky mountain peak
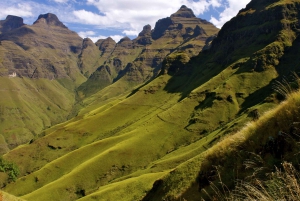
11, 22
106, 45
183, 7
15, 19
87, 42
49, 19
146, 30
144, 37
125, 39
183, 18
184, 12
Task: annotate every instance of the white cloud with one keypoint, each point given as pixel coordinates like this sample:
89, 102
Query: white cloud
84, 34
117, 38
61, 1
130, 32
132, 15
94, 37
230, 11
124, 17
20, 9
30, 10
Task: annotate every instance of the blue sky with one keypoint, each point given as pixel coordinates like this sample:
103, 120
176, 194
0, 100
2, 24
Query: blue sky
117, 18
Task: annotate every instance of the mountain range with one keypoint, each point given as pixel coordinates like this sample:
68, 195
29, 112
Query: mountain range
148, 118
58, 68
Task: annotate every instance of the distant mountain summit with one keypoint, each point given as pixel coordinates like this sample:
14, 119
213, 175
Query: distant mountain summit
138, 60
11, 22
184, 12
44, 48
183, 21
49, 19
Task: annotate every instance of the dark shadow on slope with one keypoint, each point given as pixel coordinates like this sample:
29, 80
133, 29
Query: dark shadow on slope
290, 62
257, 97
188, 76
137, 89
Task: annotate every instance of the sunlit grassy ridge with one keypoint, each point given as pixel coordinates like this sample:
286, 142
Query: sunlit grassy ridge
6, 196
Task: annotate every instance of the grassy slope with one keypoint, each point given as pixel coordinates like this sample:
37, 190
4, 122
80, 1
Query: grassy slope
34, 105
164, 123
30, 105
231, 153
161, 130
6, 196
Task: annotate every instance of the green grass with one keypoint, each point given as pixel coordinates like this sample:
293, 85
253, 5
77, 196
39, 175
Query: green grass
135, 136
6, 196
231, 152
33, 105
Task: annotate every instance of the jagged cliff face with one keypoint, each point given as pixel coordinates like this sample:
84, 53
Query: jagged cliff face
136, 61
46, 49
11, 22
277, 27
40, 66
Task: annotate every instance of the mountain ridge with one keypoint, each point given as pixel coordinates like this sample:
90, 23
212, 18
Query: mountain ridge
31, 53
143, 56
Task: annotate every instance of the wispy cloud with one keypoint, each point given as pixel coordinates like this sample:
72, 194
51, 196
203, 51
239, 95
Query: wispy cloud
20, 9
61, 1
231, 9
130, 32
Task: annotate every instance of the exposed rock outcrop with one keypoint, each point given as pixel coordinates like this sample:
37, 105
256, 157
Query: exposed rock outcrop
144, 37
184, 12
10, 23
46, 49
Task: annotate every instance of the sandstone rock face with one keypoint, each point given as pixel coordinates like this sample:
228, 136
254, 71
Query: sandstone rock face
46, 49
146, 30
161, 26
144, 37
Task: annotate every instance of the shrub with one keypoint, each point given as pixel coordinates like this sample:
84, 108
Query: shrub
10, 169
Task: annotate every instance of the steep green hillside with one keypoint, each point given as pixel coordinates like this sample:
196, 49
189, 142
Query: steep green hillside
28, 106
38, 76
160, 141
